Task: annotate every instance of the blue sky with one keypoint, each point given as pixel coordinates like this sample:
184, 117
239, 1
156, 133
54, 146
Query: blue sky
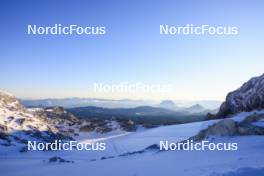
197, 67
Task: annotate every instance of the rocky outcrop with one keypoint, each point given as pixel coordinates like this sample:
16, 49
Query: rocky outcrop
250, 96
57, 159
18, 125
64, 121
61, 113
228, 127
97, 125
127, 125
10, 102
247, 127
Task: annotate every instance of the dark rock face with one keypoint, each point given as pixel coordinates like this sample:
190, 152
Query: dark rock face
59, 160
127, 125
86, 128
60, 113
250, 96
97, 125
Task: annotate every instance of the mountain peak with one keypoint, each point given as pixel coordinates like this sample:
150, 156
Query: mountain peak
250, 96
9, 101
167, 103
196, 108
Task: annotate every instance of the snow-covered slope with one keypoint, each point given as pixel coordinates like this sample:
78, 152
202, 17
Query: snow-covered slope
130, 153
250, 96
17, 124
248, 158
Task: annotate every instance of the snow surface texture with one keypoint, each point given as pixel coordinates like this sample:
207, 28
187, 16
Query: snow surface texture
247, 160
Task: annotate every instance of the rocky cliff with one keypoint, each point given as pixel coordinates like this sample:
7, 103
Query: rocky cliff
250, 96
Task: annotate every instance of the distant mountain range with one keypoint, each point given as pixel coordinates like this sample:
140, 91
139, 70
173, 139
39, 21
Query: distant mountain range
196, 108
82, 102
141, 112
123, 103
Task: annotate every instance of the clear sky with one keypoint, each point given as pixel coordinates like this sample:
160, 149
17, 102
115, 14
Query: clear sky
197, 67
